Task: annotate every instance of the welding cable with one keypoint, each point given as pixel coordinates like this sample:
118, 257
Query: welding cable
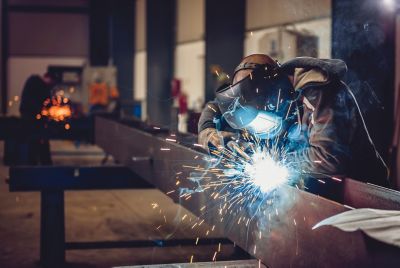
378, 155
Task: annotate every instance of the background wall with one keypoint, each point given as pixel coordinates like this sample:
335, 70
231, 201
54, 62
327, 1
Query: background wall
140, 25
266, 13
189, 67
20, 68
54, 38
190, 20
190, 49
140, 63
48, 34
262, 16
318, 27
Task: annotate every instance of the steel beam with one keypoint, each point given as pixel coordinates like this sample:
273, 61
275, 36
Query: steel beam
16, 128
56, 178
281, 234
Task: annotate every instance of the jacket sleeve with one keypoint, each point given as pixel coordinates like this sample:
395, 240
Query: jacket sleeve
331, 125
208, 116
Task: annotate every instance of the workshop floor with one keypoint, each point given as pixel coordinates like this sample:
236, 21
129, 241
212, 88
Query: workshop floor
94, 216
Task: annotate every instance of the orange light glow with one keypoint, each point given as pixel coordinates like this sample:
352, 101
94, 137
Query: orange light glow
59, 113
57, 108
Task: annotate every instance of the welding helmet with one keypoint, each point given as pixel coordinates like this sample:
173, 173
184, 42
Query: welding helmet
261, 103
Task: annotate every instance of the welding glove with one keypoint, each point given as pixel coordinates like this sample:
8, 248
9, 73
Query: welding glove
212, 139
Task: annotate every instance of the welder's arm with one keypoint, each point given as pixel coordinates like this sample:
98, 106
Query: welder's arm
209, 135
330, 132
208, 115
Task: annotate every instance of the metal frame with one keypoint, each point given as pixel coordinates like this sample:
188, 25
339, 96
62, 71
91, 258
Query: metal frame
53, 181
287, 238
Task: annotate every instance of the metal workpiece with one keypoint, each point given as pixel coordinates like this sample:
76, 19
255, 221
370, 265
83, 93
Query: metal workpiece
276, 229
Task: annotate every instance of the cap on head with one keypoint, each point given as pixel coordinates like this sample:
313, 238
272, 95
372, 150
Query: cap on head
246, 66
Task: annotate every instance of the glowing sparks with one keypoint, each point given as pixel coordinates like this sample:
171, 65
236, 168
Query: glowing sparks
215, 256
336, 179
266, 173
211, 108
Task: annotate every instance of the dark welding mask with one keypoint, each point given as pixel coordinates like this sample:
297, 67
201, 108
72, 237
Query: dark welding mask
261, 103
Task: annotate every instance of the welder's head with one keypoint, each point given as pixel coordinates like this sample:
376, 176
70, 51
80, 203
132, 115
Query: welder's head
259, 99
50, 78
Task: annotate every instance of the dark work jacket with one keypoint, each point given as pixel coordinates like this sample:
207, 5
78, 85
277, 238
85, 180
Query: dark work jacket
34, 93
334, 141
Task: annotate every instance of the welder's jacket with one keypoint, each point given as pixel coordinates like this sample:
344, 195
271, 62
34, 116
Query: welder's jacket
332, 140
34, 93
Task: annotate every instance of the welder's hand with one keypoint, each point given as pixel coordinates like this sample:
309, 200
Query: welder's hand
210, 138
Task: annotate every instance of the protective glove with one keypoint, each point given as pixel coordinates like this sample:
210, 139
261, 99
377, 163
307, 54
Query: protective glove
210, 138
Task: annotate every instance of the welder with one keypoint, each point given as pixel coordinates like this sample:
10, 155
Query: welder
303, 103
36, 90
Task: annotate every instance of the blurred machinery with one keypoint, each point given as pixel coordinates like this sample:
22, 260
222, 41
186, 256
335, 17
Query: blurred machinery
86, 86
284, 44
68, 88
100, 84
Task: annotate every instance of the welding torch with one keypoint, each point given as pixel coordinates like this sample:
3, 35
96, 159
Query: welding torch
236, 148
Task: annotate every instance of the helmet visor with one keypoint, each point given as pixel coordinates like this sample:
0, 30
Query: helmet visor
258, 103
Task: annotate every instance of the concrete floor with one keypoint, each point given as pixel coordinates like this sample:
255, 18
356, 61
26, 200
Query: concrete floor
95, 216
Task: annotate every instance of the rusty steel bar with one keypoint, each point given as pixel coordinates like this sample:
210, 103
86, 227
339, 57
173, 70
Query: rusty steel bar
278, 234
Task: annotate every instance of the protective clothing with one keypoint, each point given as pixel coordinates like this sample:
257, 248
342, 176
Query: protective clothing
211, 138
334, 141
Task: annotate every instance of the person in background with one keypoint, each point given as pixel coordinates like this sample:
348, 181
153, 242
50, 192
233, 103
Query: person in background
98, 96
35, 91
